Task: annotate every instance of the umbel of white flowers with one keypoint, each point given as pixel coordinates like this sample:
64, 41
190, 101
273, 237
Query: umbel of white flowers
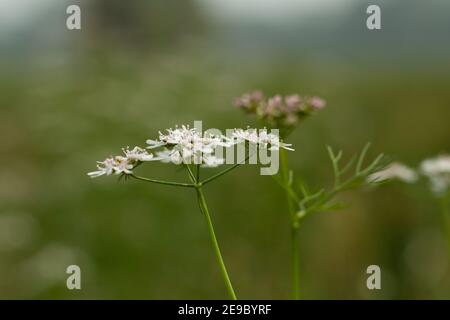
185, 145
437, 170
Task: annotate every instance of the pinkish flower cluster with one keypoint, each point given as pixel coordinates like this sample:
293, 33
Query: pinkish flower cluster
279, 111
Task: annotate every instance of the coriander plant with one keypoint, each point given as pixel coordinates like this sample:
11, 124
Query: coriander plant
285, 113
194, 150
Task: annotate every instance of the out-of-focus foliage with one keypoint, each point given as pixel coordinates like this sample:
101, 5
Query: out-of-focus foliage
134, 240
142, 24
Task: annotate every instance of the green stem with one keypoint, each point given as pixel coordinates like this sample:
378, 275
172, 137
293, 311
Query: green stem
204, 208
294, 228
221, 173
169, 183
287, 189
191, 174
197, 178
223, 269
295, 263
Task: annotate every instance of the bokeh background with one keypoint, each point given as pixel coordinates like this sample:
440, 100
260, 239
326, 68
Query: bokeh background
69, 98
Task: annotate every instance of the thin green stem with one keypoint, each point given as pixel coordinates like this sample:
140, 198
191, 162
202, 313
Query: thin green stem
221, 173
334, 162
295, 262
286, 180
286, 189
191, 174
204, 209
169, 183
294, 227
223, 269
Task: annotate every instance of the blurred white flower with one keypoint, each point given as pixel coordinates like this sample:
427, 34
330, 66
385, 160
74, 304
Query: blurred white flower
212, 161
438, 172
395, 170
45, 268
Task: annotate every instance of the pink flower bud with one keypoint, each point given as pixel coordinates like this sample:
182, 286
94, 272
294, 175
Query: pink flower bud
317, 103
292, 101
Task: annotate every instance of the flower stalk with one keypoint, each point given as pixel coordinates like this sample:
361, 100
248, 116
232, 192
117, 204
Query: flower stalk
295, 258
284, 113
188, 146
305, 203
204, 209
215, 243
169, 183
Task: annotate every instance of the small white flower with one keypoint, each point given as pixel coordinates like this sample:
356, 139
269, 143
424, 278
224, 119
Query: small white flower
175, 157
263, 139
272, 140
240, 135
105, 167
438, 171
395, 170
112, 165
137, 154
212, 161
187, 145
154, 144
123, 165
164, 155
179, 136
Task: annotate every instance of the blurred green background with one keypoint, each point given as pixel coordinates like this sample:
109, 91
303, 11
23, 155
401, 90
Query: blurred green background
69, 98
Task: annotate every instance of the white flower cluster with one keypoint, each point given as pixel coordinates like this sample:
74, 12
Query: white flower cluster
186, 145
438, 172
263, 139
121, 164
